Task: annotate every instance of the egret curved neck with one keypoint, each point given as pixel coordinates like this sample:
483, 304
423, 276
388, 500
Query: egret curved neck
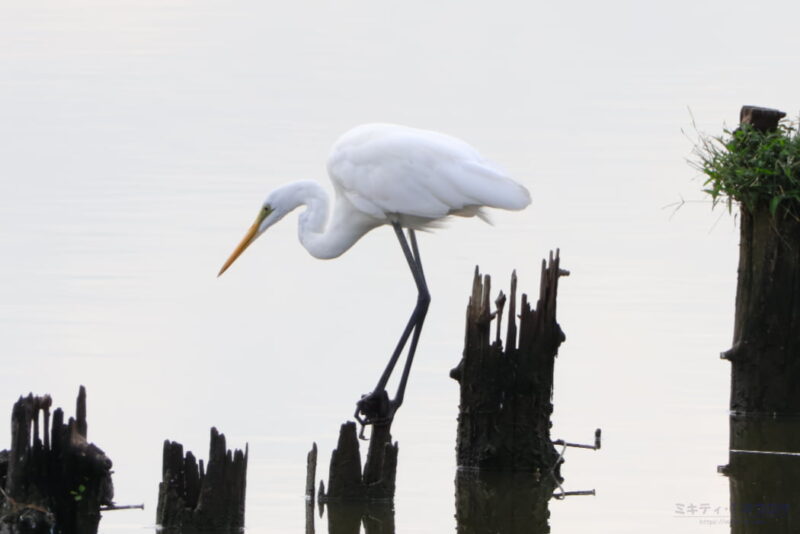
327, 240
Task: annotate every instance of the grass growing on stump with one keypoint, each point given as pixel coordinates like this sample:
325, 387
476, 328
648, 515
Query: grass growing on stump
754, 168
757, 167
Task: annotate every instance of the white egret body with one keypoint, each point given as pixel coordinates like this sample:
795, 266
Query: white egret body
389, 174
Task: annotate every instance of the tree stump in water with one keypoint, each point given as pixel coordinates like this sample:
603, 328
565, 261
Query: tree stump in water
346, 483
504, 413
765, 357
54, 481
355, 498
194, 499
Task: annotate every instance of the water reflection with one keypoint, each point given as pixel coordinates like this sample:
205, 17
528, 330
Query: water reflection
764, 470
508, 503
347, 518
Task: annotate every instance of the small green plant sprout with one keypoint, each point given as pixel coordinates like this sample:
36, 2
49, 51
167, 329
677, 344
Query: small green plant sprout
753, 168
78, 495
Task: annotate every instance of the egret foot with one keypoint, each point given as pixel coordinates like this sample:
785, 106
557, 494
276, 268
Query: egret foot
373, 408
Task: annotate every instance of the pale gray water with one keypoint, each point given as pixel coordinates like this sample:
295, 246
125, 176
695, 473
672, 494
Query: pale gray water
137, 140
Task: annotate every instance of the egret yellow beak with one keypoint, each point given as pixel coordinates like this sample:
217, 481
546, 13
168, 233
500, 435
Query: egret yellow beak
249, 237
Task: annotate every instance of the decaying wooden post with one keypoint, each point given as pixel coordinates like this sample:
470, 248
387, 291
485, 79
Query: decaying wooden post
311, 474
354, 498
504, 413
53, 481
191, 497
346, 483
765, 357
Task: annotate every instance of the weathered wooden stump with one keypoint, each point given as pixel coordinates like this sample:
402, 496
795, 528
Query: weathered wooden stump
511, 503
311, 474
354, 498
346, 483
53, 481
504, 413
763, 469
192, 498
765, 357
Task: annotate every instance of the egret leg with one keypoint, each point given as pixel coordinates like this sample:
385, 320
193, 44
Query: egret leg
423, 301
376, 406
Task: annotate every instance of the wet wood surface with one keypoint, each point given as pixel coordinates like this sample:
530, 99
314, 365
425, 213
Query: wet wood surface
53, 479
506, 391
193, 498
765, 356
346, 482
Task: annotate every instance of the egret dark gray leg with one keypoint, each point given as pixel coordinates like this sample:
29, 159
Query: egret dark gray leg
376, 405
423, 301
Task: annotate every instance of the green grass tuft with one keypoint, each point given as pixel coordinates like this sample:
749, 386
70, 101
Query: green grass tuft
753, 168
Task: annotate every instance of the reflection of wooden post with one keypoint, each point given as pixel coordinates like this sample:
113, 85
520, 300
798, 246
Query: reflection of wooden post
193, 498
765, 357
511, 503
763, 482
348, 517
504, 414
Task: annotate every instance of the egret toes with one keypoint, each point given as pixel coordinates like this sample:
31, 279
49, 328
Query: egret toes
374, 408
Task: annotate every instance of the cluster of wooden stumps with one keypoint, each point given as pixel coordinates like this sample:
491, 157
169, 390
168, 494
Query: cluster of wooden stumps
764, 458
508, 464
194, 498
53, 481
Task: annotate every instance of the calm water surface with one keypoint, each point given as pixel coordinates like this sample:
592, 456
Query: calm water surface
137, 140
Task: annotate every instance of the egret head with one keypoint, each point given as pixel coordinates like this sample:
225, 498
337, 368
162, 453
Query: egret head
280, 202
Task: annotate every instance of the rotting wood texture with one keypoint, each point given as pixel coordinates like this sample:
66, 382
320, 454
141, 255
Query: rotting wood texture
765, 356
346, 515
53, 481
311, 474
198, 499
506, 393
346, 483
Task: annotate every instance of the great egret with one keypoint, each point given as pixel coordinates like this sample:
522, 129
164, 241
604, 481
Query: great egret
389, 174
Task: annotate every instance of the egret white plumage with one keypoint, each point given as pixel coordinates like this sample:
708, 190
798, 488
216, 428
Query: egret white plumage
400, 176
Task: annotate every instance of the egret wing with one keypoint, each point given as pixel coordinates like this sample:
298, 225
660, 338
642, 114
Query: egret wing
386, 170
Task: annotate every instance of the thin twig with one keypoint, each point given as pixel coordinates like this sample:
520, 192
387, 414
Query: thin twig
113, 507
